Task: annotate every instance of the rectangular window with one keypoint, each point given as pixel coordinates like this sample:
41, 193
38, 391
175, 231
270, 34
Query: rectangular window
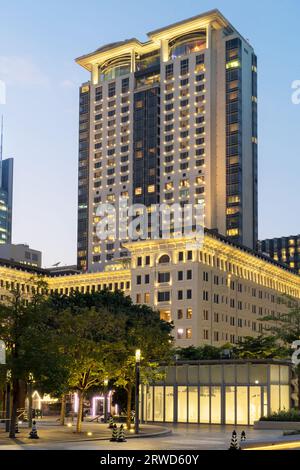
164, 277
163, 296
184, 66
125, 85
111, 89
169, 71
182, 404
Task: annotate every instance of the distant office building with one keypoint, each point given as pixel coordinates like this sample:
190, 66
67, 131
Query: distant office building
6, 200
170, 120
286, 250
21, 254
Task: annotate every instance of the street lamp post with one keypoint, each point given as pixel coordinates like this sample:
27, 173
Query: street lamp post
137, 387
29, 391
8, 401
105, 399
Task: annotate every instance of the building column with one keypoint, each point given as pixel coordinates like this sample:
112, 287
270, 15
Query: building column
132, 61
208, 36
164, 50
95, 74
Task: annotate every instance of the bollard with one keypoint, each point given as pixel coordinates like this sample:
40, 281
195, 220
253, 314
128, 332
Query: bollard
234, 443
243, 436
114, 435
121, 434
33, 433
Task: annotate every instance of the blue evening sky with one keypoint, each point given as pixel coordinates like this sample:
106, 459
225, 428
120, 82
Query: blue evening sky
38, 43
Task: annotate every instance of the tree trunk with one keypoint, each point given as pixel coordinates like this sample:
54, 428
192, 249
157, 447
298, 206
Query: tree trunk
14, 417
129, 399
63, 410
80, 412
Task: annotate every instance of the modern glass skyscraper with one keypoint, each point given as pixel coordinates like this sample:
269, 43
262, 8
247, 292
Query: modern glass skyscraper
6, 193
171, 120
6, 200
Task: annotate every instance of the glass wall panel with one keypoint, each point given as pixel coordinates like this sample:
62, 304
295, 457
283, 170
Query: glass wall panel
274, 374
158, 403
284, 397
275, 401
258, 374
182, 405
149, 400
170, 375
284, 375
169, 404
216, 374
193, 404
216, 405
204, 374
242, 405
204, 404
265, 405
193, 374
255, 404
242, 374
181, 374
229, 374
230, 405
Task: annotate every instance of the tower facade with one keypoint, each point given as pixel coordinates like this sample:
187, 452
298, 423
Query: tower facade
172, 120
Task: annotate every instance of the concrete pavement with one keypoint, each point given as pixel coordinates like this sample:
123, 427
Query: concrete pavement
183, 437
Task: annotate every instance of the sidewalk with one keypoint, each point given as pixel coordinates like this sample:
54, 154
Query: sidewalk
51, 431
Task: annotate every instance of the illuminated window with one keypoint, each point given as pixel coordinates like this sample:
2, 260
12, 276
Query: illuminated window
189, 313
138, 191
169, 186
139, 104
234, 64
233, 199
139, 154
180, 333
233, 232
233, 210
189, 333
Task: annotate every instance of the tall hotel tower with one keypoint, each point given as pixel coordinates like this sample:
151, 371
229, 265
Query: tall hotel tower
173, 119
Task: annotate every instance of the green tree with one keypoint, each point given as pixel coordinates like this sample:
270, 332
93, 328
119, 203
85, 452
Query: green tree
260, 347
24, 326
89, 338
123, 328
201, 353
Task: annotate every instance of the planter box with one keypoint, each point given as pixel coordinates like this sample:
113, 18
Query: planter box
279, 425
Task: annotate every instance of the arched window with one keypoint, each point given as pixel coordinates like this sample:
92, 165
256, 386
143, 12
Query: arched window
164, 259
187, 43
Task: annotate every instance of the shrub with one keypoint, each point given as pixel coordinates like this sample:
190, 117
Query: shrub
292, 415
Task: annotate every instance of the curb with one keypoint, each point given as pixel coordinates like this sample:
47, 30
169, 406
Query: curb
164, 432
258, 444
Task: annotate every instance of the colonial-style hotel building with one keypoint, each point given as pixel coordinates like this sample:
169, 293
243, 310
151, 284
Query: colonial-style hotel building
214, 295
173, 119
